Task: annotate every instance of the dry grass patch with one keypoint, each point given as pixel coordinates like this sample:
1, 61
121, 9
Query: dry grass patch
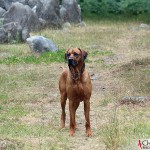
118, 61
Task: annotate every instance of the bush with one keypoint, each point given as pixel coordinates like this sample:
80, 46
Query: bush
93, 6
135, 7
104, 7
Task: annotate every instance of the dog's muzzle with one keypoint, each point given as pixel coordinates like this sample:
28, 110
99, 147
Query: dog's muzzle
72, 62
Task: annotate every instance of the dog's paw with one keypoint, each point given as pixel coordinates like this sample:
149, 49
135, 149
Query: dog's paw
62, 126
71, 133
88, 133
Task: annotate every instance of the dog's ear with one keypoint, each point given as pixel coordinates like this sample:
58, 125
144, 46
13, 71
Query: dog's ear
66, 54
84, 54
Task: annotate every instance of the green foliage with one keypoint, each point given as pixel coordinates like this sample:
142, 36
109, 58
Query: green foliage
46, 57
114, 7
106, 7
94, 6
135, 7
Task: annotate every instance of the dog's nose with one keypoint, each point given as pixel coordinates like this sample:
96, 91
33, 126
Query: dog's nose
72, 62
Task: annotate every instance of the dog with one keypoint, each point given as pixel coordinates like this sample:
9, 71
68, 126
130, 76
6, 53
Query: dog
75, 84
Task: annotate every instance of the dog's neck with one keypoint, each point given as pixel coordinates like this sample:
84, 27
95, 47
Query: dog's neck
77, 71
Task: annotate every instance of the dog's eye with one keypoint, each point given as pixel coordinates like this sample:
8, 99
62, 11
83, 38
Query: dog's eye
76, 54
68, 55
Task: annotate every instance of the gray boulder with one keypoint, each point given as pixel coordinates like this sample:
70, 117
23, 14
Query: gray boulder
14, 32
134, 100
1, 22
32, 3
40, 44
24, 16
6, 4
3, 36
70, 11
50, 13
36, 6
10, 32
2, 11
144, 26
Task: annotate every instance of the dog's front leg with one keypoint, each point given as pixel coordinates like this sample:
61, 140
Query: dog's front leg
87, 118
72, 117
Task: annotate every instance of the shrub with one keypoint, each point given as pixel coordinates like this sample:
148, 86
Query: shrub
103, 7
135, 7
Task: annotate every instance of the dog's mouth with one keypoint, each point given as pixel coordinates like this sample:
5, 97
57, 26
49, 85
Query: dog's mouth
75, 73
72, 63
74, 70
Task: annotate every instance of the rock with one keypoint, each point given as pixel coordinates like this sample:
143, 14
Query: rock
41, 44
134, 28
82, 24
42, 23
144, 26
2, 3
2, 11
1, 22
63, 14
50, 13
36, 6
70, 11
32, 3
10, 32
24, 16
134, 100
3, 36
67, 25
31, 15
13, 31
6, 4
47, 11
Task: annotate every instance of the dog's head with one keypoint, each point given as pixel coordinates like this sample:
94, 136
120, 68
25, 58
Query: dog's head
74, 56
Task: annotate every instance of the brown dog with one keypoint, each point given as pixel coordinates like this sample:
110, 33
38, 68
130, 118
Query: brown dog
75, 84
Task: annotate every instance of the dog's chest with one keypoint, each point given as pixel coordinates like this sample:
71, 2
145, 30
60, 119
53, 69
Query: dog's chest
77, 91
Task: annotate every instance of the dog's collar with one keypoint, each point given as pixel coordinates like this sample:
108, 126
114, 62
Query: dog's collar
75, 76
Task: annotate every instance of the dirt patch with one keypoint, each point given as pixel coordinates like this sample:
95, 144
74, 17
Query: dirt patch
47, 111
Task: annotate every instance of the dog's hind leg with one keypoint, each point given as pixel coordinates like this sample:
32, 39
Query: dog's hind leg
87, 118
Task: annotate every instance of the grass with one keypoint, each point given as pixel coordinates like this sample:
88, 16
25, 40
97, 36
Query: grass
30, 112
137, 73
47, 57
114, 135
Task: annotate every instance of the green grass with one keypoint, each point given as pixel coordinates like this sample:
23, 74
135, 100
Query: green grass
47, 57
101, 53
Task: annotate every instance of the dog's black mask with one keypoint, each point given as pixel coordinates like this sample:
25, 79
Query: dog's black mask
72, 62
